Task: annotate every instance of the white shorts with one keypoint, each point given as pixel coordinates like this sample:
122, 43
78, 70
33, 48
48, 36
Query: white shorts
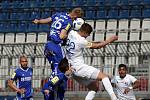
86, 74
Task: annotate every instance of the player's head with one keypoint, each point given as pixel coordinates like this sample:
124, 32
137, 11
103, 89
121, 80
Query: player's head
77, 23
76, 13
63, 65
23, 62
122, 69
85, 30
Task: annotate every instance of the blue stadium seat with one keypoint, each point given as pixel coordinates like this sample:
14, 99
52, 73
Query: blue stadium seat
111, 2
5, 4
34, 15
135, 2
45, 14
146, 13
101, 14
22, 27
14, 16
124, 13
12, 27
24, 15
100, 2
68, 3
123, 2
58, 3
44, 27
146, 2
79, 3
16, 4
135, 13
113, 13
91, 3
26, 4
32, 27
3, 27
90, 14
46, 4
4, 16
35, 3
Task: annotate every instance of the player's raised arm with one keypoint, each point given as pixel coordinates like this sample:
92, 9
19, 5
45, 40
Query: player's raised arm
42, 21
96, 45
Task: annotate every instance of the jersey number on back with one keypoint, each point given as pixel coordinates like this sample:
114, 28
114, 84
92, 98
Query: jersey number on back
57, 23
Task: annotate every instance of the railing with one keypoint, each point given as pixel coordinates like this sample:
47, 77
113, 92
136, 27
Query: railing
42, 71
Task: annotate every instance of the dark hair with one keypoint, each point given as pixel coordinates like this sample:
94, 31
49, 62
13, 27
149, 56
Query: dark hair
63, 65
122, 65
86, 28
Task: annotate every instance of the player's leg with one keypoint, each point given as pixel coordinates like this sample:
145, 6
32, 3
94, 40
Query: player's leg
93, 73
107, 84
61, 93
51, 96
93, 88
53, 53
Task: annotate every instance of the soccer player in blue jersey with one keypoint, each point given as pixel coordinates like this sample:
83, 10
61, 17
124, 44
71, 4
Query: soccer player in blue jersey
61, 24
23, 78
53, 89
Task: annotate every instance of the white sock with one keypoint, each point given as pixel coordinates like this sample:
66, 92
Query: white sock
109, 88
90, 95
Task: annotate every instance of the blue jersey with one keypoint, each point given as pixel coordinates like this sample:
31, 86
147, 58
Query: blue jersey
59, 21
56, 80
23, 79
57, 85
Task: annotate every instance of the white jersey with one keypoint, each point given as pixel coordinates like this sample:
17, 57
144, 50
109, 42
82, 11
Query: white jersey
122, 84
74, 48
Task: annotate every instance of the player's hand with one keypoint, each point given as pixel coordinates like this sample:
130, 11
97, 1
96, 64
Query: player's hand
69, 71
21, 91
126, 91
36, 21
46, 92
114, 37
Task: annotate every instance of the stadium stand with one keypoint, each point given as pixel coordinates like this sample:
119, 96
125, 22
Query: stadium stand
129, 19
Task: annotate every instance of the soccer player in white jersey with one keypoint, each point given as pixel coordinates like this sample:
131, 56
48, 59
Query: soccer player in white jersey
83, 73
124, 84
76, 26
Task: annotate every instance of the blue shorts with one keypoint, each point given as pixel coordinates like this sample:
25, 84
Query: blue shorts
53, 52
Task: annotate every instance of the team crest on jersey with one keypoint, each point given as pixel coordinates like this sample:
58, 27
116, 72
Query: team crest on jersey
55, 80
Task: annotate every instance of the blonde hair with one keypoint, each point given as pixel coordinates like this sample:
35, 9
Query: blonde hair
78, 12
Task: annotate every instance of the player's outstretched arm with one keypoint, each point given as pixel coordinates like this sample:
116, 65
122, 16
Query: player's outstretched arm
12, 86
42, 21
96, 45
